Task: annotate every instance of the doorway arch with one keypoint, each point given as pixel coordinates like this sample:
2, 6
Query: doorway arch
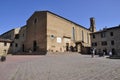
34, 45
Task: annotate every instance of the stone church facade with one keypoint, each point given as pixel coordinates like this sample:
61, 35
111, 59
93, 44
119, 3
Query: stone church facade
48, 32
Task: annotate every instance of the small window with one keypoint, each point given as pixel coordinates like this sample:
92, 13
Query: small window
23, 35
93, 36
5, 43
112, 42
104, 43
16, 45
94, 44
10, 44
111, 33
17, 36
102, 34
35, 20
5, 50
73, 33
52, 36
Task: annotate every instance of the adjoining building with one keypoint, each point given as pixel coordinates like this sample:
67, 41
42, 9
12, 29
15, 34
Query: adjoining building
5, 46
18, 36
48, 32
107, 40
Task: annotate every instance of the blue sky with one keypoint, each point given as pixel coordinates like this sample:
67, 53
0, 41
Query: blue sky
14, 13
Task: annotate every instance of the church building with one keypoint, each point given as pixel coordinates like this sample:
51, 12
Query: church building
46, 31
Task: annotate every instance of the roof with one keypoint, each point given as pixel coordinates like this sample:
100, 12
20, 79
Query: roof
24, 26
106, 29
83, 43
5, 40
62, 18
7, 32
116, 27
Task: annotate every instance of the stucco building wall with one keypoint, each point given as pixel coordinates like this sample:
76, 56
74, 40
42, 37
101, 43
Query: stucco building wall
4, 47
111, 38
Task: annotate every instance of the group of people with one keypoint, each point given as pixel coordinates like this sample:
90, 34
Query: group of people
71, 48
101, 54
3, 56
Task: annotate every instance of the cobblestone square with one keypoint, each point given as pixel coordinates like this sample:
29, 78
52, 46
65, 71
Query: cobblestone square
67, 66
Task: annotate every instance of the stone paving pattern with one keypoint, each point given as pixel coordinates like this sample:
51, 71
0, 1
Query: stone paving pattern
59, 67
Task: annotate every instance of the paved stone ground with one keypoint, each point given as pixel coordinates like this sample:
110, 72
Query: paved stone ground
59, 67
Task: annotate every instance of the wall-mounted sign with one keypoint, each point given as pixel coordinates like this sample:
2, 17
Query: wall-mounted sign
59, 40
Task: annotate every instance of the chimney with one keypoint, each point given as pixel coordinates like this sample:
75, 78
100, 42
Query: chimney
92, 24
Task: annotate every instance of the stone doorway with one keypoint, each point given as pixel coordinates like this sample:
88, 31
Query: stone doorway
79, 47
34, 45
23, 48
67, 46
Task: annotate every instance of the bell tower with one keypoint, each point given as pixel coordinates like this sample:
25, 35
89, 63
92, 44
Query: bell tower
92, 24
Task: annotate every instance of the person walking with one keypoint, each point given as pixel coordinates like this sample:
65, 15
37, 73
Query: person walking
93, 52
3, 56
110, 54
